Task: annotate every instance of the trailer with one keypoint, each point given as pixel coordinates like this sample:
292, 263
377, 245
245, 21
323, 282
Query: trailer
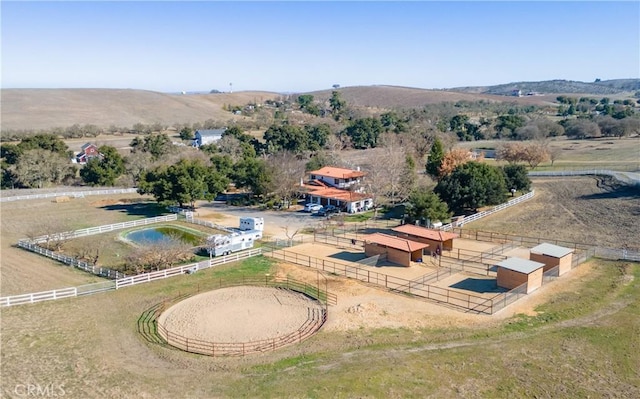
238, 239
219, 244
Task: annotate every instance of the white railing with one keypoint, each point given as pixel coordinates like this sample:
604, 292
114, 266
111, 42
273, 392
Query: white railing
625, 177
192, 220
74, 194
101, 229
497, 208
71, 261
39, 296
90, 289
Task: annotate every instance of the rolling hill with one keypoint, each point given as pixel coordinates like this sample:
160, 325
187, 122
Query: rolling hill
604, 87
32, 109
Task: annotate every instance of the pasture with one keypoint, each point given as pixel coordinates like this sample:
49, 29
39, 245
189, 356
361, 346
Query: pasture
575, 337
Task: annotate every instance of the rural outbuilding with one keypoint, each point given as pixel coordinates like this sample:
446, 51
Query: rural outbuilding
513, 272
552, 256
435, 238
398, 250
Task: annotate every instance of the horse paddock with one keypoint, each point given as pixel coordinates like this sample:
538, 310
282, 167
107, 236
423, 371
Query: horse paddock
240, 320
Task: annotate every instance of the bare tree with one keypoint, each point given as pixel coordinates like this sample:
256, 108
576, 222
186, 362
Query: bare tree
158, 255
287, 171
56, 232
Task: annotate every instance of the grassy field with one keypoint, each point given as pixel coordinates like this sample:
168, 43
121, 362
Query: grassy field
607, 153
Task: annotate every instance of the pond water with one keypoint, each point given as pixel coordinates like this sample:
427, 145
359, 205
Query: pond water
159, 234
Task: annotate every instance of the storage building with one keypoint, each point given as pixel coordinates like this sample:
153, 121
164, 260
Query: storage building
552, 256
513, 272
398, 250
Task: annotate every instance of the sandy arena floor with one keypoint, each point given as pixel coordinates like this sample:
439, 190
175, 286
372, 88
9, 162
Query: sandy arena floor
238, 314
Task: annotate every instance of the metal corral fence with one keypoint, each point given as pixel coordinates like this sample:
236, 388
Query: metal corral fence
630, 178
522, 241
148, 323
74, 194
392, 283
90, 289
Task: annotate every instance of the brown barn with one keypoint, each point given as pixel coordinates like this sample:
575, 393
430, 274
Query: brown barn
435, 238
552, 256
398, 250
513, 272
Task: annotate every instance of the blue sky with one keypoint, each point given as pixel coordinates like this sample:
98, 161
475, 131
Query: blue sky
305, 46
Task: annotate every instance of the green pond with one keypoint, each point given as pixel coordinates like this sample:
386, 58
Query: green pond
158, 234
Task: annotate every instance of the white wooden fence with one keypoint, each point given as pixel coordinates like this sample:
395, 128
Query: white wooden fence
493, 210
67, 235
90, 289
71, 261
74, 194
632, 178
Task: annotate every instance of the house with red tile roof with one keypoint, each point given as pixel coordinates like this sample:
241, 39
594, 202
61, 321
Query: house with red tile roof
335, 186
337, 177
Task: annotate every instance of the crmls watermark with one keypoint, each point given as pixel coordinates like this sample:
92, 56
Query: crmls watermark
50, 390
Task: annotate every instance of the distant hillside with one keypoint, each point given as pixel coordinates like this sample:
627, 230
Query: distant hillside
391, 97
604, 87
29, 109
49, 108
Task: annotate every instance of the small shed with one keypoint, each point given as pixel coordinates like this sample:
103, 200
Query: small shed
435, 238
552, 255
398, 250
513, 272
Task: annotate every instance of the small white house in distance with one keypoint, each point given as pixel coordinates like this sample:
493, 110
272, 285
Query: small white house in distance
207, 136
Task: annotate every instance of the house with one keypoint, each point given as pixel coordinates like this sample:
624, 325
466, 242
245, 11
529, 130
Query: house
514, 272
207, 136
335, 186
337, 177
345, 200
88, 151
435, 238
398, 250
552, 256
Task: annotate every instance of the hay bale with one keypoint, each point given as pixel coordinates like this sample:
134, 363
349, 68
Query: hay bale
61, 199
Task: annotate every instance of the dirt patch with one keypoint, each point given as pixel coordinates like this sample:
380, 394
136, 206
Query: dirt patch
238, 314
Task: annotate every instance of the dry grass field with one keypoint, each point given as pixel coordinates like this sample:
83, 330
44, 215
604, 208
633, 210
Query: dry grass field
576, 337
591, 210
49, 108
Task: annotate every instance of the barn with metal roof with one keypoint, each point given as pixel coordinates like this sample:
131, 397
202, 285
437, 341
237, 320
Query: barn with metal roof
552, 256
513, 272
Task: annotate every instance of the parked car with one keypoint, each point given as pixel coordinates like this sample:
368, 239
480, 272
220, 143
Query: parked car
312, 207
328, 210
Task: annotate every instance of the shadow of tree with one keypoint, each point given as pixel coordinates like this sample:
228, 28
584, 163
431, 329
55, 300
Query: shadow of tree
146, 209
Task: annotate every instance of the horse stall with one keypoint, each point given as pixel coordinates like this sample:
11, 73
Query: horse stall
398, 250
552, 256
513, 272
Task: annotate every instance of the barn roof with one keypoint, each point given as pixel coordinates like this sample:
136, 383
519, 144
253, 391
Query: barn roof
337, 173
395, 242
336, 193
520, 265
210, 132
551, 250
431, 234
